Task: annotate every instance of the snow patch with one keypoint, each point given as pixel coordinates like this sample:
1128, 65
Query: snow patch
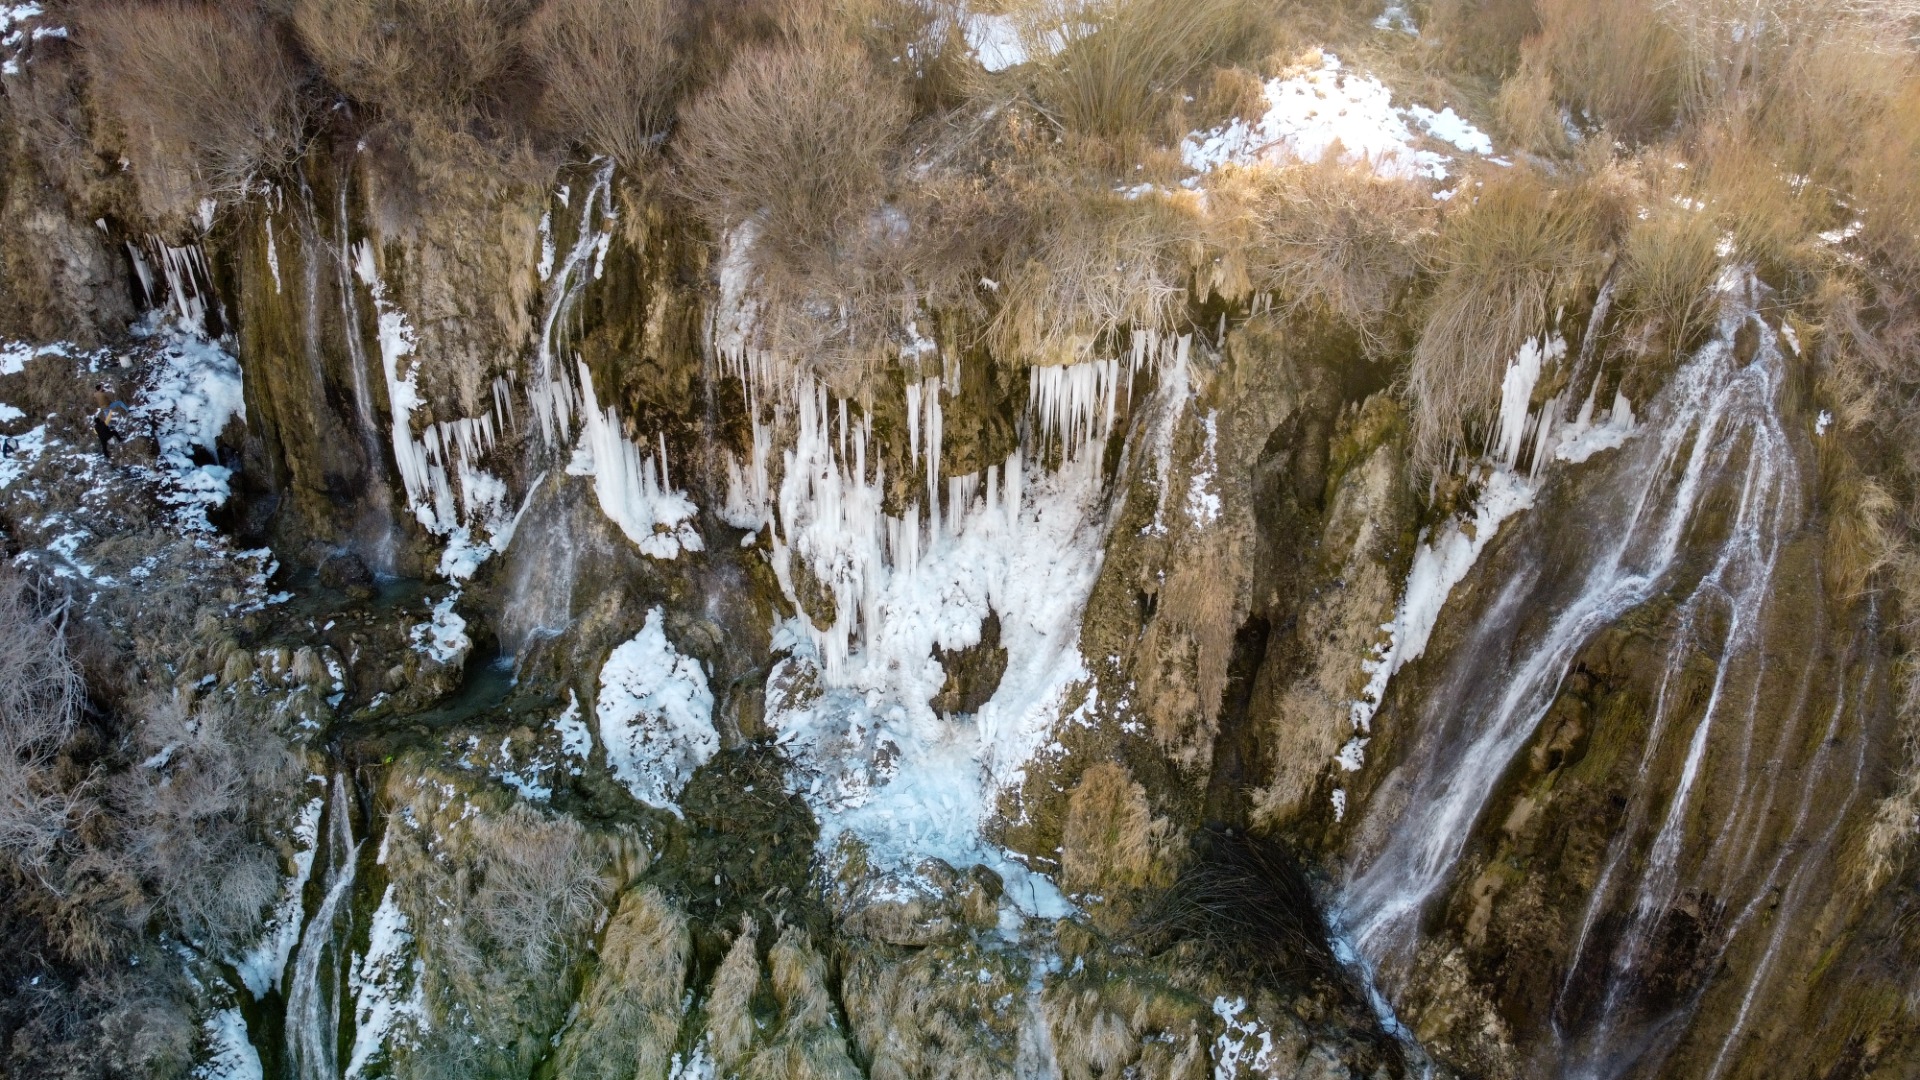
1310, 114
994, 41
444, 637
656, 716
388, 989
230, 1054
1241, 1044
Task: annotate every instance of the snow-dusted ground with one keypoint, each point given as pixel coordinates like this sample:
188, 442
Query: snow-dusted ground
230, 1056
1312, 114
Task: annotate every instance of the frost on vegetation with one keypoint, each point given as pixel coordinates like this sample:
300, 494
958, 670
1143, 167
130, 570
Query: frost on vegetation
389, 996
633, 486
1310, 114
656, 715
230, 1055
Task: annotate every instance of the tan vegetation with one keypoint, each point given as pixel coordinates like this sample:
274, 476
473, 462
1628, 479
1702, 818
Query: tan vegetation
1111, 840
1510, 255
416, 59
1110, 68
630, 1013
207, 95
1330, 240
612, 71
792, 143
500, 896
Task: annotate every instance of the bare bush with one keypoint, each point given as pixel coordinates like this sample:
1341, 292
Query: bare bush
612, 70
208, 95
541, 882
1094, 264
1109, 68
192, 809
1614, 64
794, 140
1332, 240
416, 60
1504, 262
500, 911
40, 699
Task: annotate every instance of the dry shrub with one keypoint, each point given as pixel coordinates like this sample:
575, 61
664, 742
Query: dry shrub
1668, 261
1507, 257
1094, 264
1330, 240
1110, 839
1247, 904
1615, 64
193, 810
1110, 68
1738, 47
794, 140
729, 1008
207, 94
1481, 36
1884, 172
1767, 216
438, 60
40, 698
1527, 112
503, 896
612, 69
630, 1012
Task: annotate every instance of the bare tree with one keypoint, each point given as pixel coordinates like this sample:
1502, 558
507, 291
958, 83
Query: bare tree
40, 699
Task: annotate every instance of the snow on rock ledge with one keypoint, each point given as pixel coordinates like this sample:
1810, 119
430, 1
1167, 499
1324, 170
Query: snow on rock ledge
1310, 114
656, 716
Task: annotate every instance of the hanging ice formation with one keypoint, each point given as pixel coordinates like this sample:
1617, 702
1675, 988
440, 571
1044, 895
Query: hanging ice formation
183, 271
444, 451
826, 506
632, 482
633, 487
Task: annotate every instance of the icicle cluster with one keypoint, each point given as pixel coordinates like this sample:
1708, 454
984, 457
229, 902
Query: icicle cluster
183, 270
632, 485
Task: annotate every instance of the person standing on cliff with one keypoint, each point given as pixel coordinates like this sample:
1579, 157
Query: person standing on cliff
108, 416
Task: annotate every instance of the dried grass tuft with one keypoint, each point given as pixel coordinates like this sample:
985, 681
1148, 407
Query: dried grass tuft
1506, 260
208, 96
612, 70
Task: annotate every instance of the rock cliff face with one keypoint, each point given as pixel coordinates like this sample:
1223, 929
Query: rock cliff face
671, 714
